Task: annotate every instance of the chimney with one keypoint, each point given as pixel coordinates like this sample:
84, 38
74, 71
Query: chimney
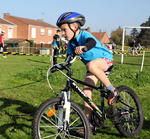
40, 19
89, 29
6, 14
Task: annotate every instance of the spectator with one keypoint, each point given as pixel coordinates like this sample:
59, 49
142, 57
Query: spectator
56, 45
113, 46
2, 46
139, 45
139, 48
134, 48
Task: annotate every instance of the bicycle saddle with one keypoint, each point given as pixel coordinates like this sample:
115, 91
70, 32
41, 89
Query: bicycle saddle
109, 71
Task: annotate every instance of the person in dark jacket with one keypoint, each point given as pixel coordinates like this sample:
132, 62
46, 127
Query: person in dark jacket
56, 45
134, 48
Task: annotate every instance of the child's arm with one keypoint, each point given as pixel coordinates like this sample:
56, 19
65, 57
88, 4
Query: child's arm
90, 43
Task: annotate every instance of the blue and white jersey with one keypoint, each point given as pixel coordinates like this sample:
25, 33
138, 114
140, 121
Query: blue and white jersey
56, 41
98, 51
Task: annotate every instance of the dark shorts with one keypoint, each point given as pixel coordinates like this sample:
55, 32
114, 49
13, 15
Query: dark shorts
134, 48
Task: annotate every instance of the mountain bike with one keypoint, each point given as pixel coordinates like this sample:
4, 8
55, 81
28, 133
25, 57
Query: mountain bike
61, 118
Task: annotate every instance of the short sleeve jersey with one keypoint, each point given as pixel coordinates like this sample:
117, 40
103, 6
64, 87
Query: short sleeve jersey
98, 51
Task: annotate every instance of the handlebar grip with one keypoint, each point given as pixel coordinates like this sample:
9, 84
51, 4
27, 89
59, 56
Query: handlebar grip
85, 49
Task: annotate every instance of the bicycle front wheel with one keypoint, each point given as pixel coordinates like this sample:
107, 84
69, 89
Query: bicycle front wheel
46, 119
128, 114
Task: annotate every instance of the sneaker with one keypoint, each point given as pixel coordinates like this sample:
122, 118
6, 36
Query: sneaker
112, 97
80, 131
4, 56
93, 130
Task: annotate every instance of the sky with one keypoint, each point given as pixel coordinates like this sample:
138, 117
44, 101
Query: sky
104, 15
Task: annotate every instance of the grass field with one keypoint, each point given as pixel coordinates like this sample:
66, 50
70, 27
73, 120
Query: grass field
23, 87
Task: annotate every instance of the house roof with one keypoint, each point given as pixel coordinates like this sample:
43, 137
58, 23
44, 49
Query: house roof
33, 22
97, 35
2, 21
101, 36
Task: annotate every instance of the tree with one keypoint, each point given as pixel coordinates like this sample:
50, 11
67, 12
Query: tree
134, 34
128, 40
116, 36
144, 36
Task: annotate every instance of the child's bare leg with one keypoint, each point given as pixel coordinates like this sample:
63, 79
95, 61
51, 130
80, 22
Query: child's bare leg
92, 80
97, 68
133, 53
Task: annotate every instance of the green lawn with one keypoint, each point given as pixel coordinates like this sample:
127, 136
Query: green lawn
23, 87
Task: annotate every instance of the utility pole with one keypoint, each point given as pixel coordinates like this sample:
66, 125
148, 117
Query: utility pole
43, 14
100, 35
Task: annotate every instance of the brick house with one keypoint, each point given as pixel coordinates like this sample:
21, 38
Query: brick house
9, 28
37, 30
101, 36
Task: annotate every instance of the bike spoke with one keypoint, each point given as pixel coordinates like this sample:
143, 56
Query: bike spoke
128, 113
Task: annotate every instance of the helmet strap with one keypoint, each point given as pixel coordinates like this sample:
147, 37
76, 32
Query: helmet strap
73, 31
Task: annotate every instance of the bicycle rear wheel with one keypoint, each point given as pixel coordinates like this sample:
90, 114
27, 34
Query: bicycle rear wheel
46, 118
128, 114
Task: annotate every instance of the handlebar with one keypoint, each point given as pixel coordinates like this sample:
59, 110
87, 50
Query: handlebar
70, 59
64, 65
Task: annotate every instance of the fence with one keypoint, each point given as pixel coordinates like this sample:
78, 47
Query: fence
36, 49
47, 49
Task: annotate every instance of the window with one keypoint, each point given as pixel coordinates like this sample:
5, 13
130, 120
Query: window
42, 31
33, 33
49, 32
10, 32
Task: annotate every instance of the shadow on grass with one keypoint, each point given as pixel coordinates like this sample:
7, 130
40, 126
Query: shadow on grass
136, 64
21, 85
125, 63
40, 61
146, 125
107, 131
19, 118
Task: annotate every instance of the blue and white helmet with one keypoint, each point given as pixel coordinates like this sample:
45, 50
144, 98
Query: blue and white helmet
71, 17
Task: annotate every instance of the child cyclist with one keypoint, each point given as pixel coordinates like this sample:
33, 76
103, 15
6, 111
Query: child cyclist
96, 58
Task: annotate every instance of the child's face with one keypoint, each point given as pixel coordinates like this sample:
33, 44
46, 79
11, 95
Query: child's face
67, 32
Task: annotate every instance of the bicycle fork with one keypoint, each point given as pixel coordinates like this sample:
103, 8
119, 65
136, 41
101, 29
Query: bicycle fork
65, 105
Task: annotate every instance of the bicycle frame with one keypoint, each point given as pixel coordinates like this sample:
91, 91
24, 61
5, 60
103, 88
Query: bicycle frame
66, 93
98, 112
71, 84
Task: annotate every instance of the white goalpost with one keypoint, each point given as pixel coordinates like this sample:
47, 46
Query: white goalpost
123, 39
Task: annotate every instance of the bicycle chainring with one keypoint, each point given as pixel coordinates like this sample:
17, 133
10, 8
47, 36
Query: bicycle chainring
98, 122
